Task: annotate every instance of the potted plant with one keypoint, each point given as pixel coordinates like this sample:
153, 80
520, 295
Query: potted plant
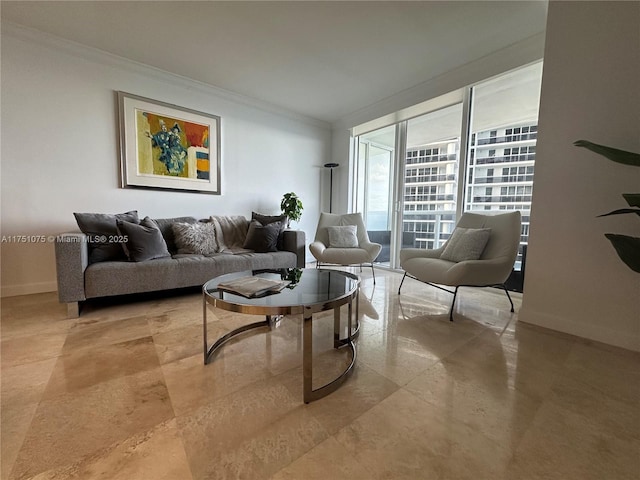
292, 207
627, 248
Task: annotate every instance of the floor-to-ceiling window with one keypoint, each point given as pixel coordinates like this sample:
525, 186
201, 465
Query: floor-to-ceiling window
502, 147
415, 176
431, 167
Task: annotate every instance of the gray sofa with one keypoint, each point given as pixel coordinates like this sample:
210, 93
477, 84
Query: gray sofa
80, 280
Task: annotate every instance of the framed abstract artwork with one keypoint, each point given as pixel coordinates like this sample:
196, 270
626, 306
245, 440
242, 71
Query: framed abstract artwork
168, 147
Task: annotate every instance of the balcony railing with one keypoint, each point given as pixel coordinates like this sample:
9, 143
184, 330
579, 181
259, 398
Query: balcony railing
505, 159
508, 138
503, 199
431, 159
503, 179
428, 198
430, 178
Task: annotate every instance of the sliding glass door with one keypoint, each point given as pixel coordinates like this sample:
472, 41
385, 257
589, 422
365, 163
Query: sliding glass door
374, 197
415, 177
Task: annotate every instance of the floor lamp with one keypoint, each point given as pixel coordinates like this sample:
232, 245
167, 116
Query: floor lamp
331, 166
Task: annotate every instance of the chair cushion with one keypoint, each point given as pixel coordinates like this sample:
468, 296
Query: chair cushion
466, 244
343, 237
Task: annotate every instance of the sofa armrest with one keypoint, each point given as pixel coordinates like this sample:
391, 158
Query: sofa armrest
72, 258
294, 241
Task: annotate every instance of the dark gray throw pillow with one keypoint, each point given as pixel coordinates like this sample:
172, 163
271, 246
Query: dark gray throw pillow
262, 238
142, 241
102, 234
268, 219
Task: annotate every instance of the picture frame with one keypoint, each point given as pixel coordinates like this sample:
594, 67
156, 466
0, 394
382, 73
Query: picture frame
167, 147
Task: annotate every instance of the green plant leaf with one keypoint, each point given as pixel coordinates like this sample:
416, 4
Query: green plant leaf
619, 156
633, 199
622, 211
627, 248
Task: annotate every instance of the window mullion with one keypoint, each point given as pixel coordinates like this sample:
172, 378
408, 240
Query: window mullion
463, 159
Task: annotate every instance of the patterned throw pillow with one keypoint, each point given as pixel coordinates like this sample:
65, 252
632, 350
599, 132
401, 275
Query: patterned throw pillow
198, 238
466, 244
343, 237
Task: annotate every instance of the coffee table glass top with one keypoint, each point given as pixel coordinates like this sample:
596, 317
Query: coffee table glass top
309, 286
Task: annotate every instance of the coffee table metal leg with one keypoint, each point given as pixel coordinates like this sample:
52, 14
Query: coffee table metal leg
309, 394
209, 351
307, 354
353, 331
204, 327
337, 341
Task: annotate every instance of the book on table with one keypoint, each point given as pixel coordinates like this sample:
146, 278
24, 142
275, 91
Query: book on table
251, 287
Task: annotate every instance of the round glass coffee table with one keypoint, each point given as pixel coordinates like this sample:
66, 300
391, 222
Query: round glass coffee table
310, 291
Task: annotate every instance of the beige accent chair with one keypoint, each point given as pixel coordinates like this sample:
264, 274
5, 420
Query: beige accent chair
365, 252
491, 269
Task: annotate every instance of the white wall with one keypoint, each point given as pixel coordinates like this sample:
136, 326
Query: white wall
59, 149
574, 281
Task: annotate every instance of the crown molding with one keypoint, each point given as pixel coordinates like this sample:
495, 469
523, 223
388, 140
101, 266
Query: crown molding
101, 57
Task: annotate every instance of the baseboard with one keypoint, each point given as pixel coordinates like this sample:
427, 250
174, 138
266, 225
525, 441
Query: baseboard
626, 340
28, 289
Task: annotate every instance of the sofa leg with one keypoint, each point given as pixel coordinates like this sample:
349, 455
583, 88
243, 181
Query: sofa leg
73, 309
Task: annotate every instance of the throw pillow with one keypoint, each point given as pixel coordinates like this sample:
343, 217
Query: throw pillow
267, 219
102, 234
165, 226
343, 237
466, 244
142, 242
198, 238
262, 238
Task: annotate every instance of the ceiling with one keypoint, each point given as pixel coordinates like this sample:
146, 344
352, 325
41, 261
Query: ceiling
324, 60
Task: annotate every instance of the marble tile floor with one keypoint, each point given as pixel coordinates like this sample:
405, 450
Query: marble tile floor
122, 393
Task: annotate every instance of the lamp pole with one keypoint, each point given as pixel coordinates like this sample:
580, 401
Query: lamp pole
331, 166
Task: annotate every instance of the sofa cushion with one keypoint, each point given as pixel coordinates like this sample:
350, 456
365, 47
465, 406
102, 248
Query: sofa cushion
164, 224
102, 234
268, 219
262, 238
196, 237
465, 244
143, 241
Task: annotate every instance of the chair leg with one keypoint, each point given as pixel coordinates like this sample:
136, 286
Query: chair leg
403, 277
504, 287
373, 272
452, 304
